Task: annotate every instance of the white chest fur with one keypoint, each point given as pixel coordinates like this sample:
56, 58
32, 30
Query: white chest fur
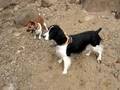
39, 30
61, 50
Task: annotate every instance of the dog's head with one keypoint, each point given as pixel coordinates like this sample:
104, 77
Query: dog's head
31, 26
55, 33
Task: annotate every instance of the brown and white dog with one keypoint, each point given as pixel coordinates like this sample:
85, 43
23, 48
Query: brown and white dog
37, 26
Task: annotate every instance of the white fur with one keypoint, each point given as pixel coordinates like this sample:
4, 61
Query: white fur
61, 52
67, 63
45, 26
97, 49
60, 60
46, 35
38, 31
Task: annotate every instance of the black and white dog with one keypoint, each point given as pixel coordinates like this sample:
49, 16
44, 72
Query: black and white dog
73, 43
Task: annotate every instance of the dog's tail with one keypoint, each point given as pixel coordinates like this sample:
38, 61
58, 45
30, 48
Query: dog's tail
98, 30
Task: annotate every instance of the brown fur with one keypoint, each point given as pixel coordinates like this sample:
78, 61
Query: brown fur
32, 25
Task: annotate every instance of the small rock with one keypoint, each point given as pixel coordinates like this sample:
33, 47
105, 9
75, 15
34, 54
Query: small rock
118, 61
17, 34
47, 3
22, 48
89, 17
1, 9
79, 21
16, 7
50, 67
18, 51
82, 83
75, 1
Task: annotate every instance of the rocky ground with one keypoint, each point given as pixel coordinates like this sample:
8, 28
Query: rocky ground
29, 64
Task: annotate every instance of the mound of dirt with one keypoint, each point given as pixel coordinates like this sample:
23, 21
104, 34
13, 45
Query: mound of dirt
101, 5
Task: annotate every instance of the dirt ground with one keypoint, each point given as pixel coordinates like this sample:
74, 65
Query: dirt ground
29, 64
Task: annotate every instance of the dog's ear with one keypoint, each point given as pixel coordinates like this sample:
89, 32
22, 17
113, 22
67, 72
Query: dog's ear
29, 23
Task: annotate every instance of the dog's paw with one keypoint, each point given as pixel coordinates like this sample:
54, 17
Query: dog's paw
64, 72
39, 37
98, 60
87, 54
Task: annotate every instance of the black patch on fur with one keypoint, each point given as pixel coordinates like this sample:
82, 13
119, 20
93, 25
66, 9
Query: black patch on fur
81, 40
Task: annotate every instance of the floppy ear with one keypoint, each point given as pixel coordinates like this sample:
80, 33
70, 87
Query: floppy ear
29, 22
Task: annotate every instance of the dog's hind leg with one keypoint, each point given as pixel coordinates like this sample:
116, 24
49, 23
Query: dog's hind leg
99, 50
89, 50
88, 53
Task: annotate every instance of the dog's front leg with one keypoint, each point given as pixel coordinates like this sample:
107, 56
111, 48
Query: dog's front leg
40, 34
67, 63
99, 50
40, 31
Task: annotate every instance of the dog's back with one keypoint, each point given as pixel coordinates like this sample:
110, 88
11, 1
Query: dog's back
81, 40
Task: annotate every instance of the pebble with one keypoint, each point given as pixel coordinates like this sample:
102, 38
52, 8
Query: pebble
17, 34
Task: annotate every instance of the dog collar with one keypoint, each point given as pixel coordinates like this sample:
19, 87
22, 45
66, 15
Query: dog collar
50, 28
69, 39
